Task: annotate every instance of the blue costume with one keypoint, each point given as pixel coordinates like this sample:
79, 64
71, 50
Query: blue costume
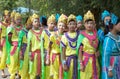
111, 56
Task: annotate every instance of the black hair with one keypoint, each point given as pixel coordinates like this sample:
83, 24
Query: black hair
26, 19
118, 21
44, 21
88, 20
108, 27
71, 20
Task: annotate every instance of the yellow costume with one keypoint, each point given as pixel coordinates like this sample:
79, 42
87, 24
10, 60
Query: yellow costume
3, 28
89, 45
46, 40
55, 51
13, 54
69, 42
34, 49
24, 68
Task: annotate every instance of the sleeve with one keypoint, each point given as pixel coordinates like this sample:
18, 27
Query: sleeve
63, 41
100, 35
0, 26
20, 37
8, 45
52, 39
79, 42
107, 50
28, 40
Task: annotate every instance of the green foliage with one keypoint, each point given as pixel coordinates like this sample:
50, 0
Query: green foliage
48, 7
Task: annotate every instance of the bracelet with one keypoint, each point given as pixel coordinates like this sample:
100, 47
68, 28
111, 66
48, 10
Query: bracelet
30, 53
110, 68
81, 62
64, 62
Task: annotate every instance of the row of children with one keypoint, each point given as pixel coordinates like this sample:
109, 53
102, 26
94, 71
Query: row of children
36, 51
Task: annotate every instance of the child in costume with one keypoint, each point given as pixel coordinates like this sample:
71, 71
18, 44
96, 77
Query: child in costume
45, 44
54, 48
34, 48
87, 48
105, 17
79, 23
111, 51
23, 52
12, 46
3, 28
12, 18
43, 21
69, 43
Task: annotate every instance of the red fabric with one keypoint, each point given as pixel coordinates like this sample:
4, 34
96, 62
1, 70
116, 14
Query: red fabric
112, 59
38, 61
60, 67
15, 44
87, 56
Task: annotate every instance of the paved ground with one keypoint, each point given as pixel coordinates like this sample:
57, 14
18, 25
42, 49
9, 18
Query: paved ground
6, 71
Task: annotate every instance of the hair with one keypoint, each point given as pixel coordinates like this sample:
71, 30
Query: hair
110, 27
118, 21
71, 20
88, 20
44, 21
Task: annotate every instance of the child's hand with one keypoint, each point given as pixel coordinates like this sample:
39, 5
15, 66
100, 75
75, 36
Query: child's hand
21, 57
82, 68
47, 61
97, 54
110, 74
65, 67
31, 58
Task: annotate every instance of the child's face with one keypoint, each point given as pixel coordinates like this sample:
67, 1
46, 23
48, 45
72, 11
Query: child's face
61, 26
107, 19
89, 25
117, 27
72, 26
51, 25
7, 17
79, 24
18, 21
36, 23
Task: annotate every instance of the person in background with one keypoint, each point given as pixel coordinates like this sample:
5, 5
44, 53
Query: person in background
43, 21
111, 51
3, 27
45, 45
79, 23
54, 48
23, 52
12, 46
69, 43
87, 49
34, 48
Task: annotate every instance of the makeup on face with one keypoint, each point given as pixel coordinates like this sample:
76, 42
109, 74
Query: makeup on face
89, 25
72, 26
51, 25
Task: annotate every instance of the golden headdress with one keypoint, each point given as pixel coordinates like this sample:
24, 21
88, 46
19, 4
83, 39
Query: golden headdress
51, 19
63, 18
29, 21
13, 14
6, 12
71, 17
34, 16
88, 15
17, 15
